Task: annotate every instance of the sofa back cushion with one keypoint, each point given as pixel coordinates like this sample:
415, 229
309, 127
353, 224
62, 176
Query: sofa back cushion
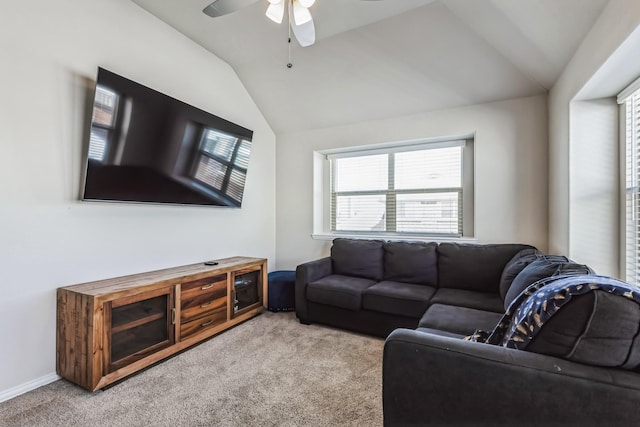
543, 266
474, 267
598, 328
414, 262
359, 258
584, 318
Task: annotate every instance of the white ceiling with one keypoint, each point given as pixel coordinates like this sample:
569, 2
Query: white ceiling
381, 59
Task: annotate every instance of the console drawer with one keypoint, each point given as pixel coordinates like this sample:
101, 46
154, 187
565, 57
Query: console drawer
201, 305
216, 317
207, 285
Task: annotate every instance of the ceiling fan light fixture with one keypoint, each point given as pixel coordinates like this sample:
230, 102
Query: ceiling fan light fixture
301, 14
275, 11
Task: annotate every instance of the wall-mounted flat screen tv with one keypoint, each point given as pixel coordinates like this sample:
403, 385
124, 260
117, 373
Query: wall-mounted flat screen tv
148, 147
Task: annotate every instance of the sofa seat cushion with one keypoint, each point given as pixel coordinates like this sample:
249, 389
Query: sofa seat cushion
458, 320
486, 301
339, 291
404, 299
411, 262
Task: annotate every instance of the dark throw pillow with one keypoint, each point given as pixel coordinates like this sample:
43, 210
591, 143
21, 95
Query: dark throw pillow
515, 266
543, 266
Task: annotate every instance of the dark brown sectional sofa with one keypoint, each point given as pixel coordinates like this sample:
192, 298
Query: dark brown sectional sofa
561, 347
375, 286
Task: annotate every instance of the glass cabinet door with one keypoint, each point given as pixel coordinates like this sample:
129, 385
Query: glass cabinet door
247, 290
138, 326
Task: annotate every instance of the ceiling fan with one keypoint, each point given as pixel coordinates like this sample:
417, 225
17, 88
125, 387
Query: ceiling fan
299, 17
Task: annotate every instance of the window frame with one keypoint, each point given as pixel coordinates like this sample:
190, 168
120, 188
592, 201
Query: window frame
324, 221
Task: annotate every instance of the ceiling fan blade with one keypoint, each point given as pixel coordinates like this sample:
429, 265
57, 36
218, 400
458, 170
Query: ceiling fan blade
301, 14
275, 11
224, 7
305, 33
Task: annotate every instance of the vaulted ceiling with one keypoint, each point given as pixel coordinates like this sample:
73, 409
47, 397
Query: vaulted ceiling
381, 59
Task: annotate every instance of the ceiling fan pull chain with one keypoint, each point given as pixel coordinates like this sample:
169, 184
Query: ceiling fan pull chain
289, 5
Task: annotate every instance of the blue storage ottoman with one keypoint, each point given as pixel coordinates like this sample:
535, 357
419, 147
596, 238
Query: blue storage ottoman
282, 291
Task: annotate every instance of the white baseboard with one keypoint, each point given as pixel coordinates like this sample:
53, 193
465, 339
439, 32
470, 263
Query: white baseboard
28, 386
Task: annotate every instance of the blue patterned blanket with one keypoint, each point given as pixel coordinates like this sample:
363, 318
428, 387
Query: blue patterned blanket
540, 301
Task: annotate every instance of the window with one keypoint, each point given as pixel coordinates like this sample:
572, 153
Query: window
103, 122
222, 163
421, 189
631, 117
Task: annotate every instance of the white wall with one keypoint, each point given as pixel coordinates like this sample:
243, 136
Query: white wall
600, 47
48, 239
510, 171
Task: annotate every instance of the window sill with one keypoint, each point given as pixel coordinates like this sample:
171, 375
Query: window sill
331, 236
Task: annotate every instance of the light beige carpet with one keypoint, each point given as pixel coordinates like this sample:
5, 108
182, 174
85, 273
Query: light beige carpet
268, 371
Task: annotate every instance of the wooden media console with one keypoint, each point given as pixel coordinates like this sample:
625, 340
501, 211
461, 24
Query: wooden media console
109, 329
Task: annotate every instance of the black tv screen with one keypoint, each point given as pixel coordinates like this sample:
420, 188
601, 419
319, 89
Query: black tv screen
148, 147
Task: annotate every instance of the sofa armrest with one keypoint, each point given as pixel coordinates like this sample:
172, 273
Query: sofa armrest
305, 273
430, 379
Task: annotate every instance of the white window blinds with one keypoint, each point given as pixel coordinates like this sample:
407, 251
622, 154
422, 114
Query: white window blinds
405, 190
632, 179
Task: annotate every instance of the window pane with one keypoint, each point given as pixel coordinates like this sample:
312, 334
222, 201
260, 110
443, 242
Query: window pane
104, 107
242, 158
361, 173
236, 185
632, 212
218, 144
360, 213
435, 168
428, 213
211, 172
98, 143
631, 237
